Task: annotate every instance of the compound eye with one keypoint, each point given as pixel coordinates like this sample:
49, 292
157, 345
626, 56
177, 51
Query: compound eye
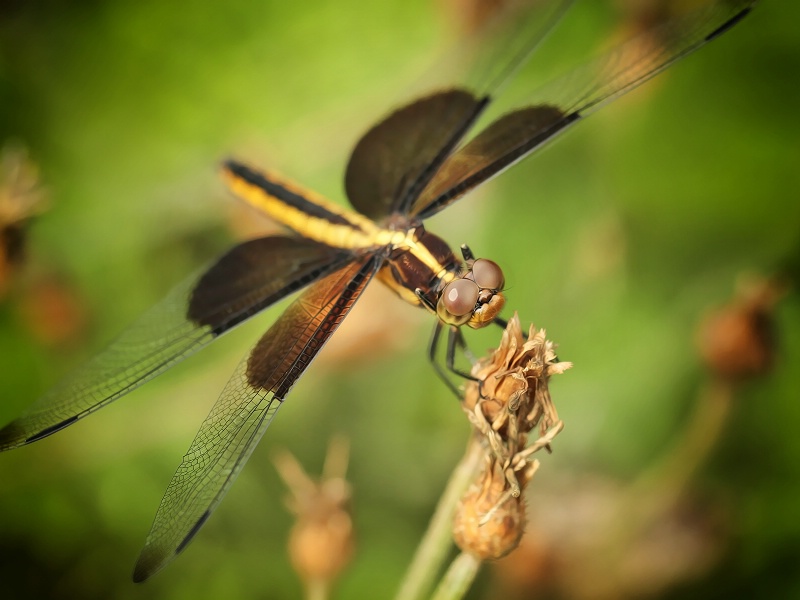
487, 274
460, 297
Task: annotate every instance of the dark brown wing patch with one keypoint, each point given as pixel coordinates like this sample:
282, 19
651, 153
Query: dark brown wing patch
245, 409
281, 356
500, 145
255, 274
396, 158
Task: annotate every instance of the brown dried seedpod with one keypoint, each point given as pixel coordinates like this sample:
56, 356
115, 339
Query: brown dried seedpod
489, 522
321, 542
738, 341
509, 400
514, 380
21, 198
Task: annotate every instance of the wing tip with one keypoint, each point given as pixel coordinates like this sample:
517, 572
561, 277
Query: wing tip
12, 436
155, 557
730, 22
16, 434
151, 560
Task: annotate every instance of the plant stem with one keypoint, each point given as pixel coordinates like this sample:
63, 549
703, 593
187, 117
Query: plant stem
667, 479
436, 542
459, 578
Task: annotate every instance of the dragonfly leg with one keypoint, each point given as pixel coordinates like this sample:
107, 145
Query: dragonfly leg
455, 339
432, 347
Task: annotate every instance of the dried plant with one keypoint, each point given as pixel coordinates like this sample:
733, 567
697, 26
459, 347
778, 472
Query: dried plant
21, 199
321, 542
509, 399
482, 507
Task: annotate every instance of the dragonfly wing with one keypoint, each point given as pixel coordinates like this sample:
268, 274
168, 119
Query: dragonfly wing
247, 279
554, 107
395, 159
245, 409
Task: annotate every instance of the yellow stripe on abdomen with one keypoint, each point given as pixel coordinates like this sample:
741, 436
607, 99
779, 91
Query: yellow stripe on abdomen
303, 211
316, 218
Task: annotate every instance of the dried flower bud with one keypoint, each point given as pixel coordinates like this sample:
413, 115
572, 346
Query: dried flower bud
321, 542
510, 398
489, 522
515, 378
21, 198
21, 195
738, 341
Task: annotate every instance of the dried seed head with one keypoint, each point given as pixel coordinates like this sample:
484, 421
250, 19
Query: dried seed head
489, 522
321, 542
21, 199
21, 194
738, 341
515, 378
509, 400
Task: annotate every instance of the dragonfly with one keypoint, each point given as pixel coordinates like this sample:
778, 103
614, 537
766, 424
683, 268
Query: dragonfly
409, 166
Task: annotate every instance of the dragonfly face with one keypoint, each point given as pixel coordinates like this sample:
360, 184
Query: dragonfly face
409, 166
476, 297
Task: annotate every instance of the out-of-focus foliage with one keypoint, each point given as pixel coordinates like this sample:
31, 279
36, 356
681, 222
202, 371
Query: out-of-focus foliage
617, 240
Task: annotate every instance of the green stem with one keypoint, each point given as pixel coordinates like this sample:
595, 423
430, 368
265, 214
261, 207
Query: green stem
459, 578
661, 486
666, 480
437, 541
317, 589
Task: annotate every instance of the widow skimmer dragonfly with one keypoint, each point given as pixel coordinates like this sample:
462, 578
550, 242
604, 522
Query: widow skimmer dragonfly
409, 166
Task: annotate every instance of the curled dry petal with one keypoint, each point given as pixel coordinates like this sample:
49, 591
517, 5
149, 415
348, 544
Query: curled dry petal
321, 542
738, 341
510, 400
489, 522
515, 377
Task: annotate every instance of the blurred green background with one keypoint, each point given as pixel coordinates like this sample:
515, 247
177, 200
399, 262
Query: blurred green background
617, 239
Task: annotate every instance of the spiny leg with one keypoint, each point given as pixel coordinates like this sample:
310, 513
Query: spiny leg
456, 340
432, 347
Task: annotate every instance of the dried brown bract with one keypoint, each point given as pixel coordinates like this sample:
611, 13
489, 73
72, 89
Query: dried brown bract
21, 198
510, 399
738, 340
321, 542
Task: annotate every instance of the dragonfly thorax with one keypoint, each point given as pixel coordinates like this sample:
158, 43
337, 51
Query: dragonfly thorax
427, 273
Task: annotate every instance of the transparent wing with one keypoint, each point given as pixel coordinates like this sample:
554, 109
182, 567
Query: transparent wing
247, 279
245, 409
558, 105
395, 159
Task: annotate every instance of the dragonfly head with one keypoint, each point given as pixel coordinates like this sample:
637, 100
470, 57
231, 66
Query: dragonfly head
475, 298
